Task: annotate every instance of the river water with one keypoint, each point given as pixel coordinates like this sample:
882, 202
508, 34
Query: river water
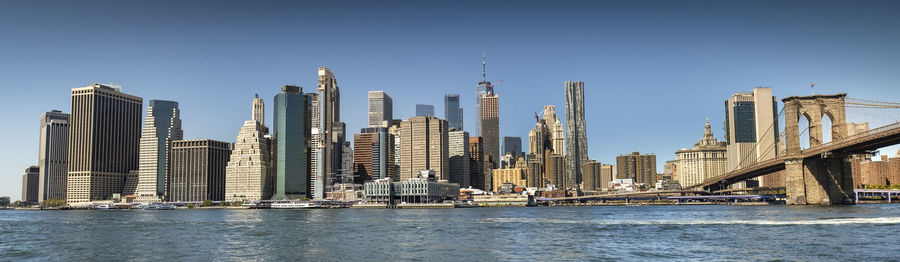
694, 233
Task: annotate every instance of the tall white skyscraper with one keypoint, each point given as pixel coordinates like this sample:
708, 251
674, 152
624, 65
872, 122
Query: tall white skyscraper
52, 155
329, 143
162, 125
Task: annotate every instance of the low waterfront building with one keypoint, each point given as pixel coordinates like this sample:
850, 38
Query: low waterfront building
347, 192
413, 190
667, 183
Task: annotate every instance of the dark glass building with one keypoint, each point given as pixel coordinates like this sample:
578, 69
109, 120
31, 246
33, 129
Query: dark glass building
292, 133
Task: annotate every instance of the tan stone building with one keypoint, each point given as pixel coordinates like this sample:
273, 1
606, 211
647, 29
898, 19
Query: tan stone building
640, 168
707, 159
424, 146
516, 176
250, 173
877, 173
592, 173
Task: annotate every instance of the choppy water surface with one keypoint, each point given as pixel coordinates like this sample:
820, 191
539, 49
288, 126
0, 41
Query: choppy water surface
862, 232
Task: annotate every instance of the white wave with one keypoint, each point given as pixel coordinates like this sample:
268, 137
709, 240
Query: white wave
828, 221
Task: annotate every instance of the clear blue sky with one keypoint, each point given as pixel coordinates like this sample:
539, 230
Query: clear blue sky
653, 71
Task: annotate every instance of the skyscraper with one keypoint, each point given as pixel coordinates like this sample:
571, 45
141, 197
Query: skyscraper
30, 185
478, 176
459, 158
751, 130
373, 154
556, 170
423, 146
197, 170
593, 179
161, 127
576, 136
512, 144
639, 168
452, 112
52, 155
488, 119
104, 134
328, 143
555, 134
250, 173
381, 109
292, 132
424, 110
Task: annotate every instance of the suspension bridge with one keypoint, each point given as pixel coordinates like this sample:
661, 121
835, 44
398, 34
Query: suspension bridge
820, 174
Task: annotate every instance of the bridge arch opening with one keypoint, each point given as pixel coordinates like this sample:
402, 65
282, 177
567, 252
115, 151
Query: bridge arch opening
827, 126
804, 131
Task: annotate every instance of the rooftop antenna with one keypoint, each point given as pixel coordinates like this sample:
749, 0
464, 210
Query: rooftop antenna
483, 68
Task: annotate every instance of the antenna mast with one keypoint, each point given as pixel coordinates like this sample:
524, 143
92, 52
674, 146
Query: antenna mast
483, 68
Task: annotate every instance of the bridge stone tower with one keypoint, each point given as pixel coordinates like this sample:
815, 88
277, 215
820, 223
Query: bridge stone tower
822, 179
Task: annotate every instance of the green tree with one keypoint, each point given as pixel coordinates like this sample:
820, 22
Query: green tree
53, 202
206, 203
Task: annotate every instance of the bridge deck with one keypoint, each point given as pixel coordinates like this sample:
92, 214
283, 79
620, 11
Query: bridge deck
859, 143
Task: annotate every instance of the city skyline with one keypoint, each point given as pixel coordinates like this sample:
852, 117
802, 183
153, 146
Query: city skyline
608, 88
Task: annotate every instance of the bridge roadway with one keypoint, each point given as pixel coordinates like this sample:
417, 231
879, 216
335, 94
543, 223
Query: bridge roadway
859, 143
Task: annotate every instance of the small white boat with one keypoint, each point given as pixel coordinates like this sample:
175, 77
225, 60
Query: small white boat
105, 207
159, 206
293, 205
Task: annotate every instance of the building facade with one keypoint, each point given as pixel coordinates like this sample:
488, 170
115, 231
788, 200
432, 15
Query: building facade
555, 171
592, 173
161, 126
381, 109
328, 134
54, 133
576, 134
424, 110
197, 170
291, 138
607, 173
751, 130
512, 145
478, 177
250, 173
458, 151
641, 169
424, 145
452, 112
104, 134
517, 176
707, 159
30, 185
885, 172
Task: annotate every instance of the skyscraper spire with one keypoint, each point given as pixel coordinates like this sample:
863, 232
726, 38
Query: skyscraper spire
483, 68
